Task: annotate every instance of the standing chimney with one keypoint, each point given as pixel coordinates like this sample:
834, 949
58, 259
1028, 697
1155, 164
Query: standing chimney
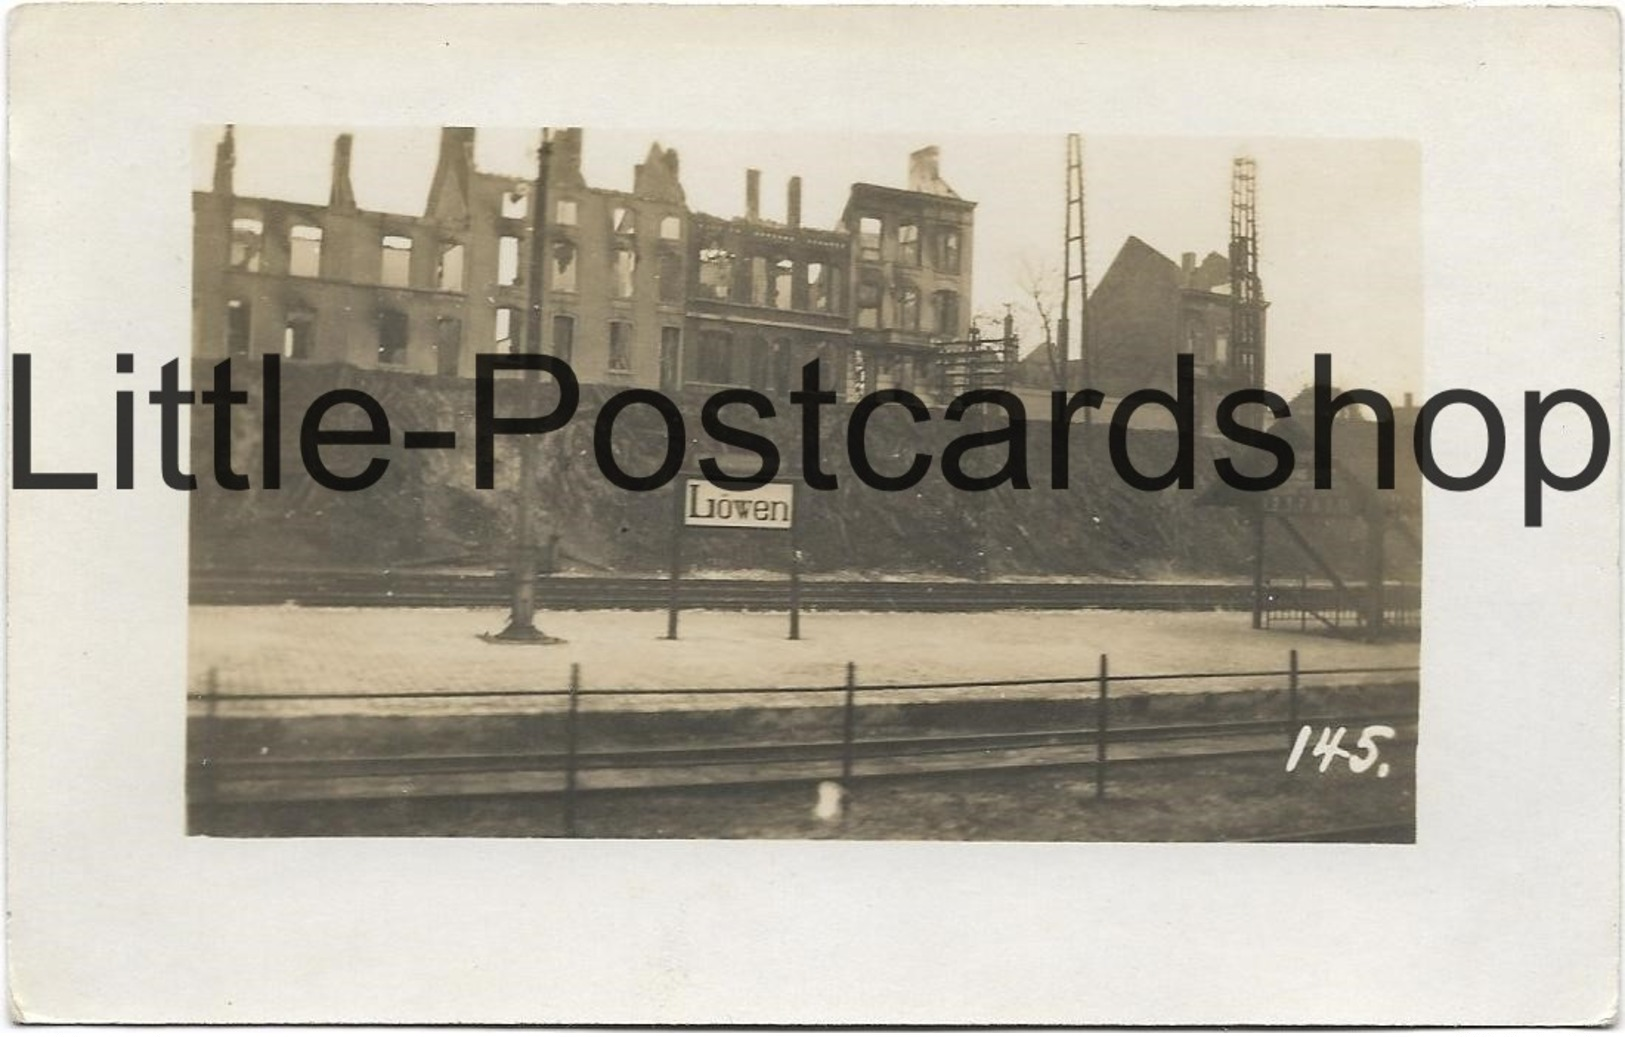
792, 208
1187, 266
225, 160
753, 194
342, 196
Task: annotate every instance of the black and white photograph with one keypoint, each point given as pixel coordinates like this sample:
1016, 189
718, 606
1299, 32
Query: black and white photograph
910, 515
980, 578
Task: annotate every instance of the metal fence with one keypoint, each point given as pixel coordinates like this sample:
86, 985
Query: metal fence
1340, 610
564, 757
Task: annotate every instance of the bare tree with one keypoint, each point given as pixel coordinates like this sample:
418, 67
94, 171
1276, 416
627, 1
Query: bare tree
1040, 284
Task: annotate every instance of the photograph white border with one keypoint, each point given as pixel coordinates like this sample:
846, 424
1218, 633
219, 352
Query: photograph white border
1506, 909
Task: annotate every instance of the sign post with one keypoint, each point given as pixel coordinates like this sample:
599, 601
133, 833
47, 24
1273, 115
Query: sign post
703, 503
673, 603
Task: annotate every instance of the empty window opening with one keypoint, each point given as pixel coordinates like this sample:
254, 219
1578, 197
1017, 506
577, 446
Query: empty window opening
716, 273
516, 201
397, 261
671, 229
564, 266
448, 272
716, 357
908, 308
247, 242
448, 346
624, 220
239, 325
869, 238
758, 281
857, 374
908, 244
869, 291
299, 337
391, 337
564, 336
626, 268
671, 357
564, 214
1221, 347
948, 250
780, 372
305, 251
671, 277
506, 334
947, 313
817, 287
784, 284
620, 346
758, 357
507, 260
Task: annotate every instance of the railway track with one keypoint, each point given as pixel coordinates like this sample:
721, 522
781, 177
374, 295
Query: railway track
264, 779
426, 589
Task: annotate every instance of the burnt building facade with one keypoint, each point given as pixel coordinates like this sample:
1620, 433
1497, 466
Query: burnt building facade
637, 288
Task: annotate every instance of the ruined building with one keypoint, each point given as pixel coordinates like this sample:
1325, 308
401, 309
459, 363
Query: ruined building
1144, 312
638, 289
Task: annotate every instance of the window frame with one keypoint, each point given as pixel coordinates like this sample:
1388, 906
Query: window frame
619, 360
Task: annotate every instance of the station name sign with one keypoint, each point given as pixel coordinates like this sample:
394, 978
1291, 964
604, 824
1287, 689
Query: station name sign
767, 507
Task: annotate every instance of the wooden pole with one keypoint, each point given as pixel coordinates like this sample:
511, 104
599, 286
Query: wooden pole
849, 723
1376, 531
1100, 730
570, 751
1258, 565
674, 602
208, 747
795, 579
1292, 698
522, 619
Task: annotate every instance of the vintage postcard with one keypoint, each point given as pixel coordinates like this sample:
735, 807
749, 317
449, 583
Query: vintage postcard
731, 484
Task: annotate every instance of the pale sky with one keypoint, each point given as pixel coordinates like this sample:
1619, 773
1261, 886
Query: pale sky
1339, 220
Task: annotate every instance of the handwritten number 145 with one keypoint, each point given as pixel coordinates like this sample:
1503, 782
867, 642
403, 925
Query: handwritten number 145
1330, 747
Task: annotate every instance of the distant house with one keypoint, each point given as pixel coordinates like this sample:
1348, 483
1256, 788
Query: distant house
1145, 311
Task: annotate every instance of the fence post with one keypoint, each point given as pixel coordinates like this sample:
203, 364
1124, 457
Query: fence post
795, 591
570, 751
1292, 698
208, 741
848, 723
1100, 730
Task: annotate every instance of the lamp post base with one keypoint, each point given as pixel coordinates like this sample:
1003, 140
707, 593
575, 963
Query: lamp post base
521, 634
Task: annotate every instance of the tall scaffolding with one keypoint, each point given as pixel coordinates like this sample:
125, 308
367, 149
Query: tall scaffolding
1246, 291
1074, 271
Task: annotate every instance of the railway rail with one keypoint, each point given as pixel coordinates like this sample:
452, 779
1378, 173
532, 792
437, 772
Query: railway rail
224, 770
430, 589
266, 779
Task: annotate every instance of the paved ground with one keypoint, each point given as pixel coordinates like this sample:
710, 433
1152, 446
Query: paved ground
288, 651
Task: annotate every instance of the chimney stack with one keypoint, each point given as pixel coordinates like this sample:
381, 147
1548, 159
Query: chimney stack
753, 194
792, 208
565, 167
1187, 266
341, 197
923, 169
924, 174
225, 160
